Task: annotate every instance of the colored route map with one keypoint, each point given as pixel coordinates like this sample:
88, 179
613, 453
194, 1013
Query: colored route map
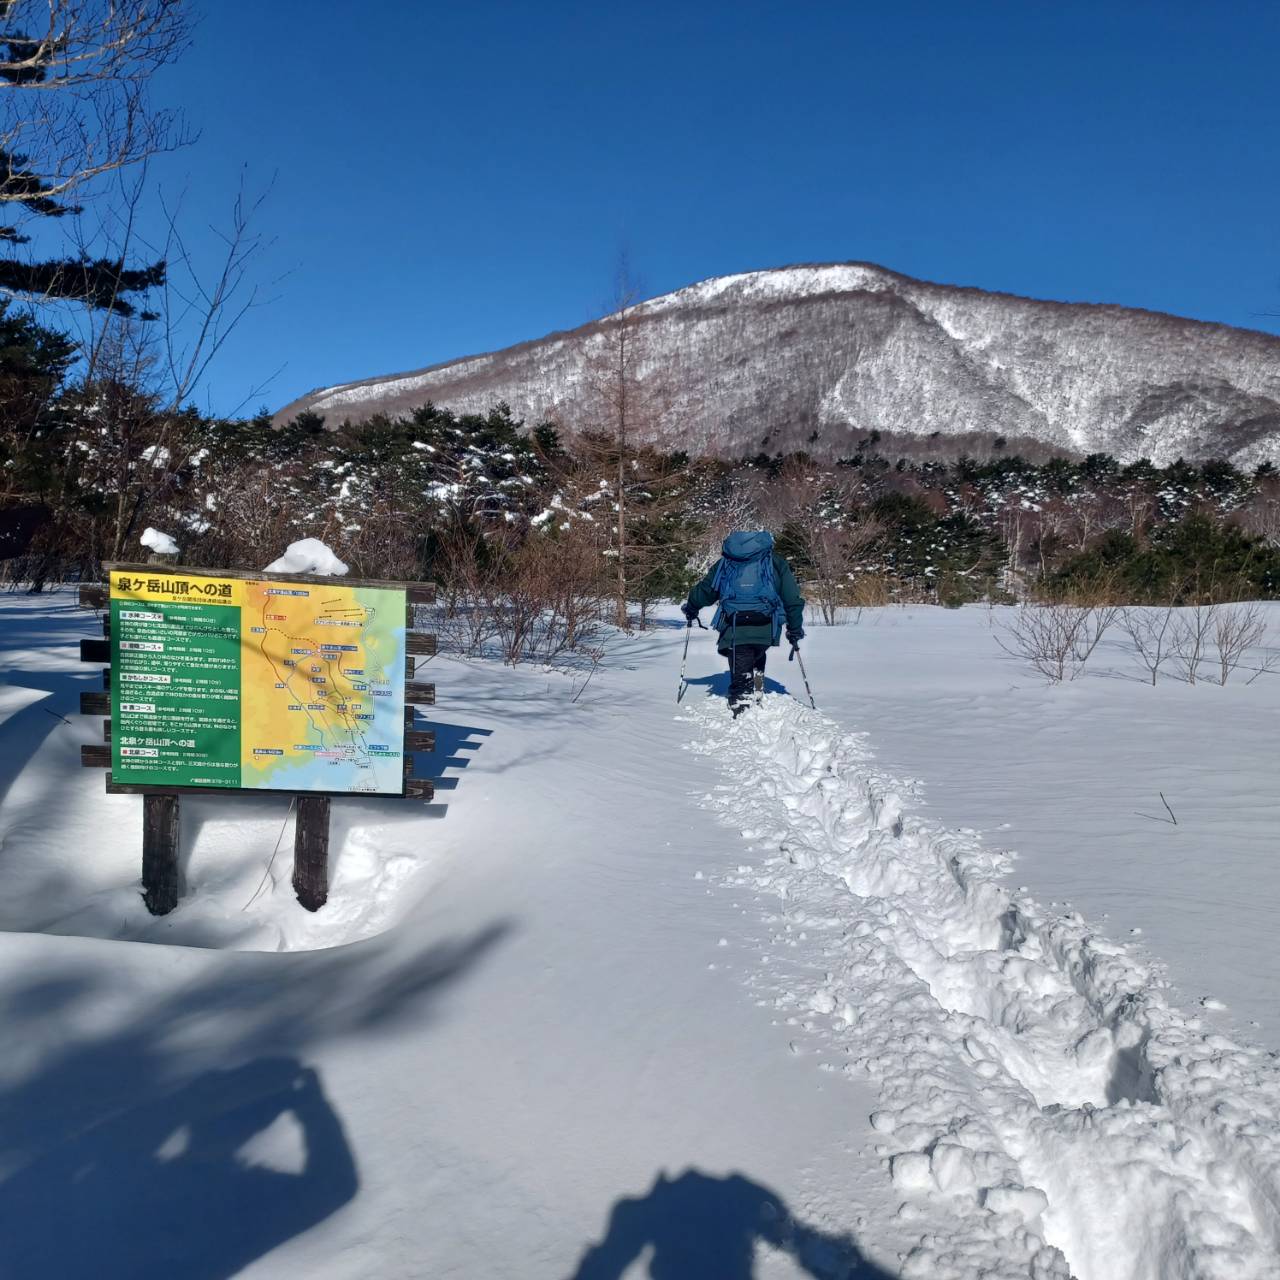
258, 683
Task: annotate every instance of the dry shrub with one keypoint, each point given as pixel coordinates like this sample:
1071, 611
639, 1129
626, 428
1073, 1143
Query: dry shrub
552, 599
1151, 632
1093, 622
1056, 639
832, 552
1187, 637
574, 572
252, 524
537, 598
468, 581
1236, 629
870, 591
381, 543
1102, 590
1193, 629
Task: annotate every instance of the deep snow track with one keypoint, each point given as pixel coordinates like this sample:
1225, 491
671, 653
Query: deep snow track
1045, 1112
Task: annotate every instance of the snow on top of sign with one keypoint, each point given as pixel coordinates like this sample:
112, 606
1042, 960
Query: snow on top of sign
161, 543
309, 555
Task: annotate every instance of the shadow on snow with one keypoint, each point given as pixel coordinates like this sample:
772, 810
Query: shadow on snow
696, 1226
193, 1139
717, 686
451, 741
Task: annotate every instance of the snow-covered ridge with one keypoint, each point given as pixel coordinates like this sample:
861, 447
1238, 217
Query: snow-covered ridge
769, 286
1045, 1112
816, 357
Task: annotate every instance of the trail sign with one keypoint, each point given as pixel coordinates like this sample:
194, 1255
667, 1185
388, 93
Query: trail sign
223, 680
261, 684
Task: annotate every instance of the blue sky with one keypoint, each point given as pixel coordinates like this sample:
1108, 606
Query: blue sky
452, 178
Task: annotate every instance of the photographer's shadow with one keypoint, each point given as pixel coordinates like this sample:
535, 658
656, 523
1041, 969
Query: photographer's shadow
197, 1183
700, 1227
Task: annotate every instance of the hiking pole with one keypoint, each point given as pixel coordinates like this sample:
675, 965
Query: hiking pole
795, 653
688, 631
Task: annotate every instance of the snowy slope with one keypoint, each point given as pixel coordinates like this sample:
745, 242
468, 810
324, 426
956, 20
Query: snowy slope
816, 357
638, 966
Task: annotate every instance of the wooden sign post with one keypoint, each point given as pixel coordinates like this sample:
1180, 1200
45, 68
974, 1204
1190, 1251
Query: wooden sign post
220, 681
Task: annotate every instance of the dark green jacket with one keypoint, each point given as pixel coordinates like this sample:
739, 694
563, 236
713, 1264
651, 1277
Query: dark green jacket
704, 595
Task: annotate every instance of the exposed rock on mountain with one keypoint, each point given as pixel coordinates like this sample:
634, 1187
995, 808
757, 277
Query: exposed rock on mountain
817, 357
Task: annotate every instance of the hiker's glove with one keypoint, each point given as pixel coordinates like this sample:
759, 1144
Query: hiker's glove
690, 614
794, 636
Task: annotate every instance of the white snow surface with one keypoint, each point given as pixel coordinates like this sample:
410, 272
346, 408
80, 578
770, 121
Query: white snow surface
782, 283
161, 543
641, 966
308, 555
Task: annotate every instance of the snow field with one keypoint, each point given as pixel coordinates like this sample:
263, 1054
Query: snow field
544, 1029
934, 1073
1044, 1110
1070, 776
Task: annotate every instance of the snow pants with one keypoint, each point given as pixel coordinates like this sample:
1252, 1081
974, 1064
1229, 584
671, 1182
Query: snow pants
744, 661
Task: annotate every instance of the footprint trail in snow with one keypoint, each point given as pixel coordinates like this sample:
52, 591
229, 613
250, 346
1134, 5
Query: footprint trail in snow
1044, 1111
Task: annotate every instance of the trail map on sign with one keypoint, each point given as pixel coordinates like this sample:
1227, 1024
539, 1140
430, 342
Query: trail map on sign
282, 686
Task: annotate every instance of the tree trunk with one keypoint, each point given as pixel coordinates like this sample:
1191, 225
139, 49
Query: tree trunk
622, 479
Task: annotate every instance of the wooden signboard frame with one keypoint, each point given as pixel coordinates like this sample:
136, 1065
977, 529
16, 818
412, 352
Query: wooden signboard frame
160, 827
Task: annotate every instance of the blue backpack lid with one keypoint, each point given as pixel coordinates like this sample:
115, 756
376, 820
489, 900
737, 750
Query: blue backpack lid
746, 546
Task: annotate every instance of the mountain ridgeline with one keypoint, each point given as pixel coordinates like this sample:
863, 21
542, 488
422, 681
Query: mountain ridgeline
817, 358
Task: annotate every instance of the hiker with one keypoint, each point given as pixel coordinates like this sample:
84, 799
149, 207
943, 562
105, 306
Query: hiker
757, 594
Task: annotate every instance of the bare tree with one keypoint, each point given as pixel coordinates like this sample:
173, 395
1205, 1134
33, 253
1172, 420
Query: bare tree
74, 78
1192, 629
1091, 623
1056, 639
203, 304
627, 402
1237, 629
202, 299
125, 442
827, 511
74, 106
833, 552
140, 375
1260, 515
1015, 525
1150, 630
735, 506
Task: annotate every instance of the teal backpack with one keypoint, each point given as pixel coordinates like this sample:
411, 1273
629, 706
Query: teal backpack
745, 580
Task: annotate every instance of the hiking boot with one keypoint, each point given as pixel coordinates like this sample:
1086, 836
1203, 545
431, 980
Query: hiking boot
738, 708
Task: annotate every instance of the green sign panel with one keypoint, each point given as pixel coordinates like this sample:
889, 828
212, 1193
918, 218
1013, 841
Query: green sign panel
264, 683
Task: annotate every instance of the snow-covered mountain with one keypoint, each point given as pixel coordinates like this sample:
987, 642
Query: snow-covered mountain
817, 357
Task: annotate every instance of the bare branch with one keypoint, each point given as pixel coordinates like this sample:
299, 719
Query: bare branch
1056, 639
1237, 628
74, 101
1149, 630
